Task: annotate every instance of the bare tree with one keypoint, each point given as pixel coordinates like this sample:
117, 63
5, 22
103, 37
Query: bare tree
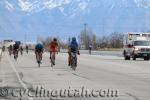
88, 38
116, 40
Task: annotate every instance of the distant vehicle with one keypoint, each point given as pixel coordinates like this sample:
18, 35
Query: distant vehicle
7, 43
137, 45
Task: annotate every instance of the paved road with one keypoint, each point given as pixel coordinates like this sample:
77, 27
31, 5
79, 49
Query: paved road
102, 53
130, 79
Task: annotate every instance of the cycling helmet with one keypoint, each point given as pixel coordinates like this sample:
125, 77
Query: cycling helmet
74, 39
55, 39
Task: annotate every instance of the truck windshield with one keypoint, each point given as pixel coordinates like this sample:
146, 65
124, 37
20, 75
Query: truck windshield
142, 43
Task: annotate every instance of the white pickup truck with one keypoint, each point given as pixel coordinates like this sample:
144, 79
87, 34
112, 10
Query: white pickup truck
137, 45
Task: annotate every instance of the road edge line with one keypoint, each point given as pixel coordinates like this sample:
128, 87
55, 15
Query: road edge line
18, 76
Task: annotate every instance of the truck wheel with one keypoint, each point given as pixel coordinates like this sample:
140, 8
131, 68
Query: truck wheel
134, 58
146, 58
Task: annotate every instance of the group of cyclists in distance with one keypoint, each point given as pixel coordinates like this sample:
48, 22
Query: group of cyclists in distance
53, 47
15, 48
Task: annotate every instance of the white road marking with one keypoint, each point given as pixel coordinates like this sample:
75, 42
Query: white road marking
17, 74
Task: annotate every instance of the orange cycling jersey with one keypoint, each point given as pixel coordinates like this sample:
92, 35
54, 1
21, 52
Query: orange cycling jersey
53, 46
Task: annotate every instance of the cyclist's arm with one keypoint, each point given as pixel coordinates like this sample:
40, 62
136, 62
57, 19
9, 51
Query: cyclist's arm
57, 47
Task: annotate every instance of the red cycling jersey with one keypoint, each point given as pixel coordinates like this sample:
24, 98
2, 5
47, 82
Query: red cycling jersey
53, 46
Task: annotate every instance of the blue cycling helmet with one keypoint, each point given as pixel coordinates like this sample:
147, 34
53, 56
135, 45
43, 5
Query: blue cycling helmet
74, 39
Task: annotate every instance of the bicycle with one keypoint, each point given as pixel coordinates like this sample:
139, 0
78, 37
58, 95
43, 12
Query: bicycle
27, 51
39, 58
16, 55
10, 52
73, 61
52, 59
3, 49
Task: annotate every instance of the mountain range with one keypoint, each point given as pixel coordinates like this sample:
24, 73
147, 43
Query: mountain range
64, 18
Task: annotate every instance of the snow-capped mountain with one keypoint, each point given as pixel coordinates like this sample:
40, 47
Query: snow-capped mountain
67, 7
66, 17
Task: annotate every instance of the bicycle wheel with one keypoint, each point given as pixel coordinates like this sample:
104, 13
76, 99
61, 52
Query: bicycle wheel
39, 63
73, 61
15, 56
37, 59
52, 63
52, 60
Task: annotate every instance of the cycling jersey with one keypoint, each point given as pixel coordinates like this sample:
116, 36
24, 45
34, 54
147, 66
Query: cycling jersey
73, 46
53, 46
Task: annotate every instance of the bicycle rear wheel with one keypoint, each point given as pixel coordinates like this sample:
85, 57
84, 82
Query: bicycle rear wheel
39, 59
15, 56
52, 60
73, 61
39, 63
52, 64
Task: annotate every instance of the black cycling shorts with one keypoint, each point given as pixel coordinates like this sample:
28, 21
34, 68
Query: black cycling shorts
39, 50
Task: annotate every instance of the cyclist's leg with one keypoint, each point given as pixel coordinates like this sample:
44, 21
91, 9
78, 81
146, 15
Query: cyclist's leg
69, 59
53, 57
17, 51
54, 53
36, 54
50, 54
76, 59
40, 54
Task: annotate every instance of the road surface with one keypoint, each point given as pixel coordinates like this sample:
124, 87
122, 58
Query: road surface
131, 79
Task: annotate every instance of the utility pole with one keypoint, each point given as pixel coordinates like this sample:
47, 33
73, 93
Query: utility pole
103, 28
25, 38
86, 40
85, 26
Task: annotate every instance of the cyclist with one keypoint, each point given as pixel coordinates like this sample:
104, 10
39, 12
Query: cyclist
10, 49
39, 48
73, 48
53, 46
3, 48
21, 50
15, 50
27, 48
90, 49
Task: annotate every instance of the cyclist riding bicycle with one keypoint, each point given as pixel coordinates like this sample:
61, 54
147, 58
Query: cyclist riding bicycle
53, 46
10, 49
3, 48
21, 50
72, 48
27, 48
15, 50
39, 48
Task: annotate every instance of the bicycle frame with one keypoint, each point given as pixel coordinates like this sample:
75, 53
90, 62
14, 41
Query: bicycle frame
15, 54
73, 61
